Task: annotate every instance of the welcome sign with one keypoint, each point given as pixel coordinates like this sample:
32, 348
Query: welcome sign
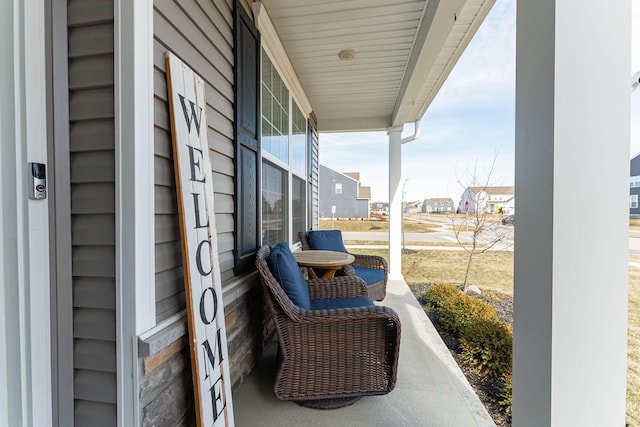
205, 310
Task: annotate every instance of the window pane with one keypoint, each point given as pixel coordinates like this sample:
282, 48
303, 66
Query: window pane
275, 111
298, 141
274, 205
298, 205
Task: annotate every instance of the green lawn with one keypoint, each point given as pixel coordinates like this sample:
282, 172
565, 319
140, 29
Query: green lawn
495, 270
410, 226
492, 269
633, 349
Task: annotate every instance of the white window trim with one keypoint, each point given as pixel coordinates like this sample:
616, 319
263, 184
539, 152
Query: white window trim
272, 44
633, 201
287, 167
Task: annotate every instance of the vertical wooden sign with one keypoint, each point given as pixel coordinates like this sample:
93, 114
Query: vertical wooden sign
205, 310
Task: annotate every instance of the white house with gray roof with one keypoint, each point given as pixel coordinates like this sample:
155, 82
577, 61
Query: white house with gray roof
488, 199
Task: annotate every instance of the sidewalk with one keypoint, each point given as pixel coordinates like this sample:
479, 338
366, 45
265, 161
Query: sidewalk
431, 389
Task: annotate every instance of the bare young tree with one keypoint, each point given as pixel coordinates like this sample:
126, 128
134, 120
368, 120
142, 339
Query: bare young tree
479, 230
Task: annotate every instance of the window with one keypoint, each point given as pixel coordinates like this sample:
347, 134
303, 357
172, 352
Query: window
298, 141
298, 205
338, 188
275, 112
272, 156
274, 224
634, 181
633, 201
284, 160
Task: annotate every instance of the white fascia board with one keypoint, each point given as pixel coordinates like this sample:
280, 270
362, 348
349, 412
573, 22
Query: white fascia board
278, 54
437, 24
135, 239
364, 124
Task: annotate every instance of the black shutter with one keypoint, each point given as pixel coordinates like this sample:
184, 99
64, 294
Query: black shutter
247, 139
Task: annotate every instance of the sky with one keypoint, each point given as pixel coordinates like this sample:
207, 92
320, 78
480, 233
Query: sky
469, 125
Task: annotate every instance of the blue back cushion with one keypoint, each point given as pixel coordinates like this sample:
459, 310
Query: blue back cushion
285, 269
329, 303
326, 240
369, 275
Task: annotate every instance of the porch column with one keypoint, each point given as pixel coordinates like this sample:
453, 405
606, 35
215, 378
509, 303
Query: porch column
395, 203
572, 172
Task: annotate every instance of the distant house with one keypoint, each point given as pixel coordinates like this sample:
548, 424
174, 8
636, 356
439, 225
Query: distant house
412, 207
341, 195
634, 186
379, 208
487, 199
437, 205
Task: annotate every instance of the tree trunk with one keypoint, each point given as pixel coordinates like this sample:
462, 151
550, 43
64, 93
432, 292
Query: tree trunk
466, 274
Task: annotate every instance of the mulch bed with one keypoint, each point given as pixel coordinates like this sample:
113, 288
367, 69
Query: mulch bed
487, 388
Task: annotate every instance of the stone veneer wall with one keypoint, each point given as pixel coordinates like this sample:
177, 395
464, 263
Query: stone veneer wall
166, 387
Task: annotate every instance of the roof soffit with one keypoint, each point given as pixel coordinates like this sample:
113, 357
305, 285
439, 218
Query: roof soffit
405, 50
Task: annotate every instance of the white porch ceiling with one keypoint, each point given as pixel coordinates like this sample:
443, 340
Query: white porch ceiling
405, 50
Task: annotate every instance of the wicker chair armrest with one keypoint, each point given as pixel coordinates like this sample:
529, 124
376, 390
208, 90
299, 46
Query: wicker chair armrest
371, 261
337, 287
347, 270
338, 315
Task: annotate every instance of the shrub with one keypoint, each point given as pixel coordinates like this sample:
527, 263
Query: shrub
460, 310
437, 295
487, 345
507, 394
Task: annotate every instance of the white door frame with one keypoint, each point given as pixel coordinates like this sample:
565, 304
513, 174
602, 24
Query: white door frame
25, 363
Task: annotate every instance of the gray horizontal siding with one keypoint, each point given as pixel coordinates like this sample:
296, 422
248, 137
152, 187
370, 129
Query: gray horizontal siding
95, 355
94, 230
91, 135
200, 33
92, 173
91, 73
93, 323
95, 414
83, 13
313, 175
94, 292
85, 384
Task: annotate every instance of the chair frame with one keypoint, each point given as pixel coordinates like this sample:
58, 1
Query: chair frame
378, 290
330, 358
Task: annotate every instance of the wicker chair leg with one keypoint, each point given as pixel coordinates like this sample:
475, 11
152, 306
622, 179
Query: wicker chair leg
329, 403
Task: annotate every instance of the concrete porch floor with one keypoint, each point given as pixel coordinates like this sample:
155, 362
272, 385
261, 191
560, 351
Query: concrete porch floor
431, 389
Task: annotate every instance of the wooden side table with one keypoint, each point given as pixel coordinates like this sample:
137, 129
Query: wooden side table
329, 261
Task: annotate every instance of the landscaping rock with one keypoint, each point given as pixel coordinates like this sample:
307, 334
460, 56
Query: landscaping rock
473, 290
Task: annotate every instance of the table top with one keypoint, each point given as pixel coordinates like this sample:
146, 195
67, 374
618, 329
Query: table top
314, 258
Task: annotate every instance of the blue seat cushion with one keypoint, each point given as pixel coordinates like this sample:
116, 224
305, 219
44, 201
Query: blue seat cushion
329, 303
369, 275
285, 269
326, 240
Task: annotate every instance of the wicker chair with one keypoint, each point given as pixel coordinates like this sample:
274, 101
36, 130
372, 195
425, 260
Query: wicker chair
378, 289
330, 358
